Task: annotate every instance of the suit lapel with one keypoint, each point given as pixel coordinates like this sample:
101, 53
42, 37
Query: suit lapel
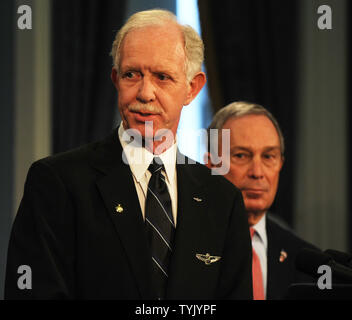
187, 275
121, 201
277, 270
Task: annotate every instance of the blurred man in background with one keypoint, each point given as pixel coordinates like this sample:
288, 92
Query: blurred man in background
256, 157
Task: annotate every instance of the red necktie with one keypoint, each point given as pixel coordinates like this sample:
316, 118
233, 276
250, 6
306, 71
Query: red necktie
258, 288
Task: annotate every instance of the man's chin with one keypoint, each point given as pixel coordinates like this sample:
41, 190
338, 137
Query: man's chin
254, 217
255, 206
146, 131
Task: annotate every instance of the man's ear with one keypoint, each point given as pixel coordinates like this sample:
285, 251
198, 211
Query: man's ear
282, 162
114, 77
196, 84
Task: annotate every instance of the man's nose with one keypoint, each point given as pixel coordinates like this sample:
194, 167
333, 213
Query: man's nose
256, 169
146, 91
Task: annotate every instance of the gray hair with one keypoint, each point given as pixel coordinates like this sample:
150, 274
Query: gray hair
240, 109
193, 44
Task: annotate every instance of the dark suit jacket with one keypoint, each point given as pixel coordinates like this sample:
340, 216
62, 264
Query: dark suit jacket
79, 247
282, 274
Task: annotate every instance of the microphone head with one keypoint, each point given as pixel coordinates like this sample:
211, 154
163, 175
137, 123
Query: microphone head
309, 260
340, 257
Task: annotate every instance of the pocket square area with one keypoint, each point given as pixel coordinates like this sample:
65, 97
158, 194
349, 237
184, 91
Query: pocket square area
207, 258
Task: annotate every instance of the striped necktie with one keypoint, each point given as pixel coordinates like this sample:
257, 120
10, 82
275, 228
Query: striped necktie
160, 227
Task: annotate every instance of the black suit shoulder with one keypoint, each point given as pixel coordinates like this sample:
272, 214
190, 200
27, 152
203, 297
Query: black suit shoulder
283, 247
67, 231
81, 165
73, 158
286, 236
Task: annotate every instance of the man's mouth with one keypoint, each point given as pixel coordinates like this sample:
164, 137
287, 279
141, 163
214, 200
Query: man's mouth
254, 189
254, 192
144, 115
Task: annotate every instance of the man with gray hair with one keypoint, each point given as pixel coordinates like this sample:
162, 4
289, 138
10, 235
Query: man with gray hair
121, 218
255, 159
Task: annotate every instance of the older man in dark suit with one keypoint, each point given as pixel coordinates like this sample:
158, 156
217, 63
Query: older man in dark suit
129, 217
255, 159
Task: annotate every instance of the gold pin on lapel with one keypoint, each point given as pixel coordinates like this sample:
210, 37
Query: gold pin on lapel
119, 208
283, 256
197, 199
207, 258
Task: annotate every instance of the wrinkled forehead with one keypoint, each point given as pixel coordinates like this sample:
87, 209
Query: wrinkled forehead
252, 130
169, 32
163, 37
155, 45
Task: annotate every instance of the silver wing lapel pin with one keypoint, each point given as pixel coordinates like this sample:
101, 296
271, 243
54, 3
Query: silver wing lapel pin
207, 258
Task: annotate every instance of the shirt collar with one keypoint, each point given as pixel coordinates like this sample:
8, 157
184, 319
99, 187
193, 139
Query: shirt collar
140, 158
260, 228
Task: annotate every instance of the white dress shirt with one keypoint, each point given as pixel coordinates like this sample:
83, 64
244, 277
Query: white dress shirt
139, 160
260, 245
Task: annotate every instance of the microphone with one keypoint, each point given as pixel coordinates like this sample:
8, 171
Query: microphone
309, 260
340, 257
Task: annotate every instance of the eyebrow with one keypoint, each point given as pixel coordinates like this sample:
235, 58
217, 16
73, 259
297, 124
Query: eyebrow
161, 70
272, 148
266, 149
128, 68
156, 69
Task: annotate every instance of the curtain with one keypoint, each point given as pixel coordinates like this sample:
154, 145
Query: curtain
7, 129
84, 98
251, 55
349, 121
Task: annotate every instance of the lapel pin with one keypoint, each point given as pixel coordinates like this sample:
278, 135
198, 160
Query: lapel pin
119, 208
283, 256
207, 258
197, 199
